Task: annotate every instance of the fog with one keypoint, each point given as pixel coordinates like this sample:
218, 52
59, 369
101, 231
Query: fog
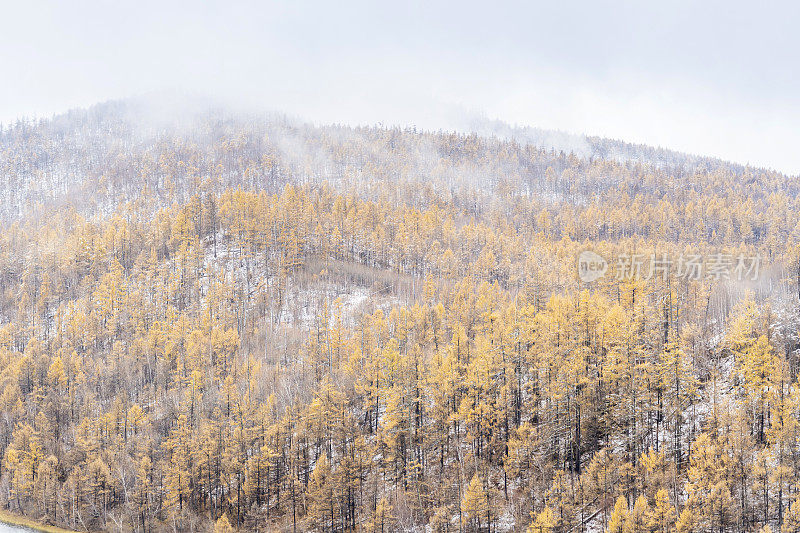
715, 79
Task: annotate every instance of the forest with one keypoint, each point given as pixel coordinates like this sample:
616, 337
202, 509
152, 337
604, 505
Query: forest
218, 321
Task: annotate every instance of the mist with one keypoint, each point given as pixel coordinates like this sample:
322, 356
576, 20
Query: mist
657, 75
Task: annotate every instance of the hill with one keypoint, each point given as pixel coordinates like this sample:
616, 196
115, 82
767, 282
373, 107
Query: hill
218, 319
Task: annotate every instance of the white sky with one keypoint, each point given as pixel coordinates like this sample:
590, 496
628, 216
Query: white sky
713, 78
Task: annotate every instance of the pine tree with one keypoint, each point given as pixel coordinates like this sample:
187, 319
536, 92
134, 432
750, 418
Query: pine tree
791, 522
662, 516
544, 522
475, 503
321, 513
637, 520
223, 525
619, 517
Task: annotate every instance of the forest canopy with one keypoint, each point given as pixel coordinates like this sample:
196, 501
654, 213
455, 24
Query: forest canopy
243, 322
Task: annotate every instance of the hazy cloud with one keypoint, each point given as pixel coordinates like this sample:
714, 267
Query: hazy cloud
713, 78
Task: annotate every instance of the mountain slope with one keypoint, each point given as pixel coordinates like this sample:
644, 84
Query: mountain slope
228, 320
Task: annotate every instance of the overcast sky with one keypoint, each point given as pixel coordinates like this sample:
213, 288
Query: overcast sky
713, 78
